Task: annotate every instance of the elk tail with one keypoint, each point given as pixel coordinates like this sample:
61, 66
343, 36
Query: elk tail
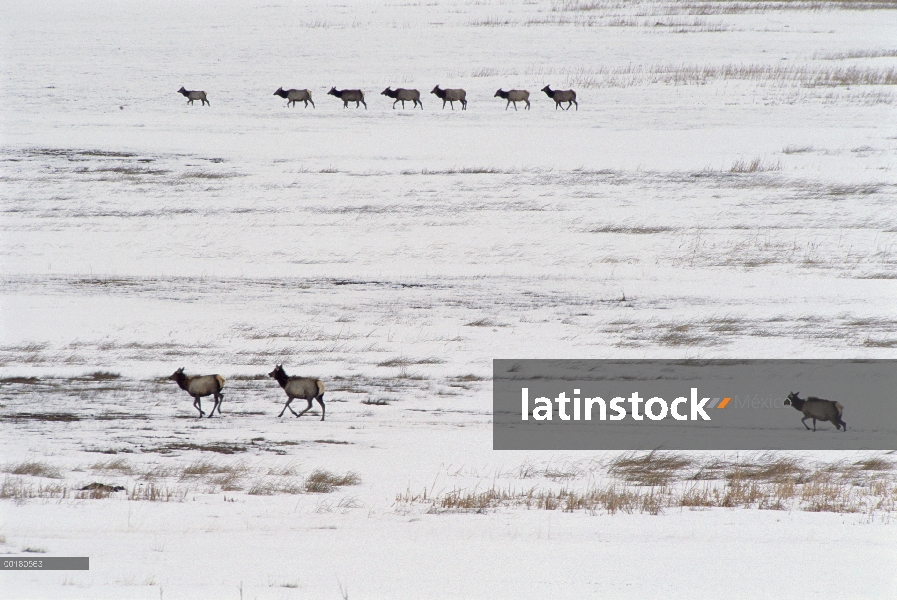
320, 387
220, 381
840, 408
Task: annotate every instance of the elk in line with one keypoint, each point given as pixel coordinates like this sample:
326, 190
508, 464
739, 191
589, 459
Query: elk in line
347, 96
559, 96
194, 95
303, 388
817, 408
514, 96
199, 386
402, 95
452, 96
294, 96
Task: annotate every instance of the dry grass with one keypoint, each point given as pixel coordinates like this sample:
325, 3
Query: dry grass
797, 149
18, 489
154, 492
102, 376
631, 230
323, 482
115, 465
653, 482
34, 468
713, 7
654, 468
803, 76
757, 165
376, 402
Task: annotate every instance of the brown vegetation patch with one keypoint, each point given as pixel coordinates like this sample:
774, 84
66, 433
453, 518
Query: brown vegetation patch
65, 417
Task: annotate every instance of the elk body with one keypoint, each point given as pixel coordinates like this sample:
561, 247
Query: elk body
199, 386
294, 96
348, 96
451, 96
302, 388
818, 409
559, 96
514, 96
194, 95
402, 95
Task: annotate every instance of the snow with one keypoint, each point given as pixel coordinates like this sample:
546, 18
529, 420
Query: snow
395, 254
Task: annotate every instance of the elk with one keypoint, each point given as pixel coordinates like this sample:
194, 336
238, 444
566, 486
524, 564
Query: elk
817, 408
303, 388
294, 96
451, 96
401, 95
514, 96
559, 96
199, 386
194, 95
348, 96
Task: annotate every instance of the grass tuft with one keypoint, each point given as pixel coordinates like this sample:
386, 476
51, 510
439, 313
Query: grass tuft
323, 482
34, 468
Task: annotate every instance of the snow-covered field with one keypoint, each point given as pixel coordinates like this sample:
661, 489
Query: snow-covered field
726, 189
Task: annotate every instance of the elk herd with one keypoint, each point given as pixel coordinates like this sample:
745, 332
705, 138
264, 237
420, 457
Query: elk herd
403, 95
311, 389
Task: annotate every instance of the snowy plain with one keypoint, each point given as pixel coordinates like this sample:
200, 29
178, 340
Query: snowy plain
726, 189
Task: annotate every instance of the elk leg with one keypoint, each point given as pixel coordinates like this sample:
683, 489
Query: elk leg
804, 421
321, 402
286, 406
220, 402
214, 406
814, 423
197, 404
308, 408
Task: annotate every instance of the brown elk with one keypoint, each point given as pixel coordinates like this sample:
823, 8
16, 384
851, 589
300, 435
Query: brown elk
401, 95
514, 96
303, 388
194, 95
559, 96
199, 386
817, 408
451, 96
348, 96
294, 96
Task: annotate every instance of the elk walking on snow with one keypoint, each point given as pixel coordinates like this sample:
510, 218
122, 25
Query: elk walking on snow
817, 408
451, 96
559, 96
194, 95
294, 96
514, 96
199, 386
401, 95
303, 388
348, 96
